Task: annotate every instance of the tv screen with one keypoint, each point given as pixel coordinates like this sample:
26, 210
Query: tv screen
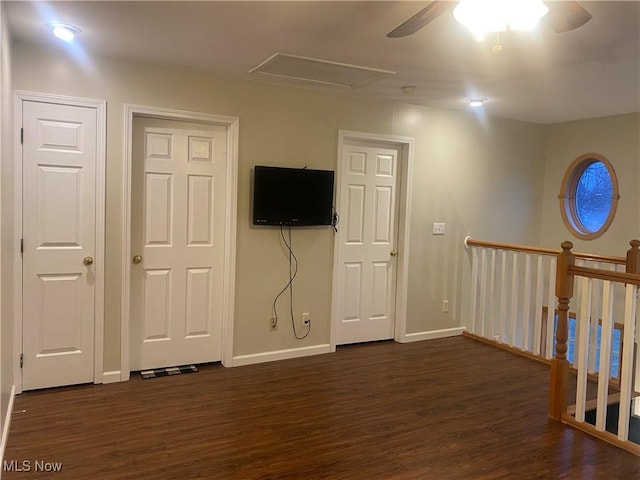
292, 196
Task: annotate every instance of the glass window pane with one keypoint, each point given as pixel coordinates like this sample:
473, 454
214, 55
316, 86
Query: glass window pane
593, 196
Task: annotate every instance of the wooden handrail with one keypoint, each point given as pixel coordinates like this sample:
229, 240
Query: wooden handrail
511, 246
543, 251
620, 277
600, 258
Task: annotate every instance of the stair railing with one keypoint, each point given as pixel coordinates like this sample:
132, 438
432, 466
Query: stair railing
629, 383
512, 287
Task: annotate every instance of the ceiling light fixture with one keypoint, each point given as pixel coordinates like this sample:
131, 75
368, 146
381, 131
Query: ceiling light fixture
63, 31
498, 15
476, 101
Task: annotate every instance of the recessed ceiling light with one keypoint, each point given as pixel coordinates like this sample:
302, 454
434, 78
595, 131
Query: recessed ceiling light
63, 31
476, 101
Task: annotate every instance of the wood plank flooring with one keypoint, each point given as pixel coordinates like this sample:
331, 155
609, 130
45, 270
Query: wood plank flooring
448, 409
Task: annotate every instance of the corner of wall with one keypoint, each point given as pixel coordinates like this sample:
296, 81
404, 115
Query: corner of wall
7, 387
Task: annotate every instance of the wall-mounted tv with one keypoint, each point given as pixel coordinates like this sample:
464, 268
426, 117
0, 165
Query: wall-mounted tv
292, 196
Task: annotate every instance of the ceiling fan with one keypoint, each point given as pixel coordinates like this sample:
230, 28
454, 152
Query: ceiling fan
563, 16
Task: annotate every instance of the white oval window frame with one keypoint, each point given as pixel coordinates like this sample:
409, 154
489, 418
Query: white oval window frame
568, 196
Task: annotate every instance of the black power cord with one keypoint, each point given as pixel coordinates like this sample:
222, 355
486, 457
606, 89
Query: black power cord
293, 272
335, 219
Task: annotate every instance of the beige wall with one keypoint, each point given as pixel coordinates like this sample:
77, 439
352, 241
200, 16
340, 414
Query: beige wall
6, 219
483, 177
617, 138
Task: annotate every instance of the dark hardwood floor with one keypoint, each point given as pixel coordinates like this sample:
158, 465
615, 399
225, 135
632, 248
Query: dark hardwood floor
449, 409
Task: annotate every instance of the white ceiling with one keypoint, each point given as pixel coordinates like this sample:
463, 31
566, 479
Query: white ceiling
539, 76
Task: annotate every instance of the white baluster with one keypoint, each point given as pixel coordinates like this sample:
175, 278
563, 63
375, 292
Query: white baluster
577, 300
491, 321
582, 341
626, 363
474, 288
514, 301
483, 293
551, 309
596, 315
537, 325
526, 304
503, 296
604, 369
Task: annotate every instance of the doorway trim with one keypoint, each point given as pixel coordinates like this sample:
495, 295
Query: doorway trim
101, 134
232, 124
406, 145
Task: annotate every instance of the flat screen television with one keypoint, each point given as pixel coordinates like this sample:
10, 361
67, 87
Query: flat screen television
292, 196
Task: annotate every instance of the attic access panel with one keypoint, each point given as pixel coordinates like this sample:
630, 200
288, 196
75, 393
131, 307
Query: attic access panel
326, 72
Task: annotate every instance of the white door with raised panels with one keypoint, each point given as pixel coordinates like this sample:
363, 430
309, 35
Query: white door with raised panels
59, 240
178, 215
367, 236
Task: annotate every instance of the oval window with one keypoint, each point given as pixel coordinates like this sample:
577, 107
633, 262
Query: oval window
589, 196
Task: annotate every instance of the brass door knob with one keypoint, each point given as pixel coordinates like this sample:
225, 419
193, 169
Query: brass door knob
137, 259
393, 252
87, 260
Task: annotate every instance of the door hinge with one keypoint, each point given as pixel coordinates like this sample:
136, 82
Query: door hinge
21, 246
21, 360
21, 136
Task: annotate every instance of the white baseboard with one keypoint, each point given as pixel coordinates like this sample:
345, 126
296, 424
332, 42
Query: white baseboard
7, 424
254, 358
111, 377
432, 334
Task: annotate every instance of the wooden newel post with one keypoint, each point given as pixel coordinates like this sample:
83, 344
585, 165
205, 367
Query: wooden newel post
633, 257
633, 266
559, 364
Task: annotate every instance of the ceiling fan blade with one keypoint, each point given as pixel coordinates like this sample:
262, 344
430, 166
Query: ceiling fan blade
420, 19
565, 16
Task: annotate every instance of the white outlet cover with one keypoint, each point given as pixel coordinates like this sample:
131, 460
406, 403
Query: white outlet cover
439, 228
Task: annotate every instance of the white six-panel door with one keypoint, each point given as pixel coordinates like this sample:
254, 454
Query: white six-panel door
367, 236
178, 211
59, 223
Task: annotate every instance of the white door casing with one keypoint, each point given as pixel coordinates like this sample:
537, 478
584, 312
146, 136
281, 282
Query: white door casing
226, 222
367, 244
178, 203
60, 205
367, 241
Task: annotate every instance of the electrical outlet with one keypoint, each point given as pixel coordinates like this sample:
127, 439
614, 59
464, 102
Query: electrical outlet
273, 324
439, 228
305, 320
445, 306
